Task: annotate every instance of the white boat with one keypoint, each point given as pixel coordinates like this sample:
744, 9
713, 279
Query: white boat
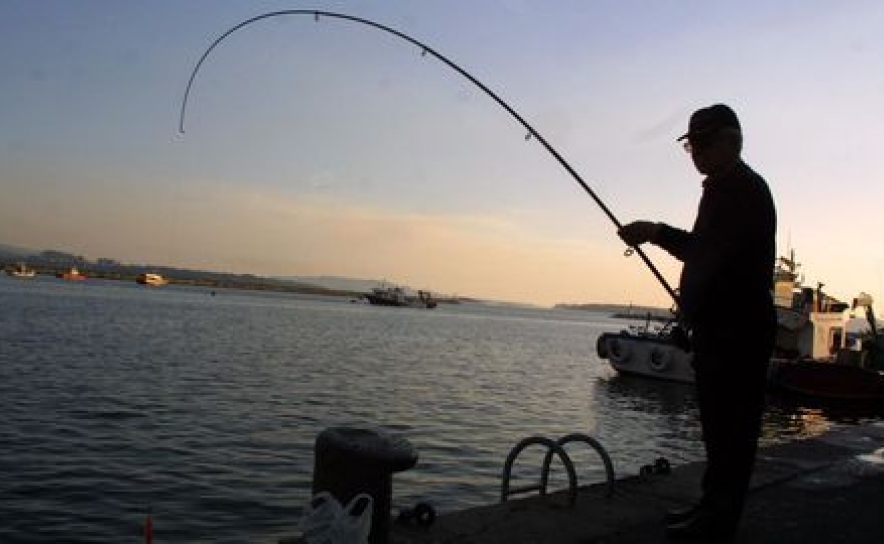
643, 351
151, 279
811, 327
21, 270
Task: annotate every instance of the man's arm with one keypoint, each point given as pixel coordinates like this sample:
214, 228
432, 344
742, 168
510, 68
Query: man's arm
673, 240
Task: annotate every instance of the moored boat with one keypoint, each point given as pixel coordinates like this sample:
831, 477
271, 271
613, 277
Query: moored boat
853, 373
72, 273
151, 279
643, 351
815, 354
397, 296
828, 381
21, 270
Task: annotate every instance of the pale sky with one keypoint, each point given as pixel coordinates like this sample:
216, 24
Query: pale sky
330, 148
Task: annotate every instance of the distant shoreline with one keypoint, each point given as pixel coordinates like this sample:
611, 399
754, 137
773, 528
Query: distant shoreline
622, 311
643, 317
211, 280
52, 262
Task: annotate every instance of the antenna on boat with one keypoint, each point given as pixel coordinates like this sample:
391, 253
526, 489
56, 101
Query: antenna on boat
425, 50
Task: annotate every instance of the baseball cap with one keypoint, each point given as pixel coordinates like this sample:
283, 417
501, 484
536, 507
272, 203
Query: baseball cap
705, 121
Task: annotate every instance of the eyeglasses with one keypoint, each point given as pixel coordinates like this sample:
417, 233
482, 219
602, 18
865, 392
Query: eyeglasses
701, 140
698, 143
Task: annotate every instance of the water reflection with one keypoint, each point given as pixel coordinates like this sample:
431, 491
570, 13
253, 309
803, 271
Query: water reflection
669, 413
788, 418
206, 408
655, 396
647, 419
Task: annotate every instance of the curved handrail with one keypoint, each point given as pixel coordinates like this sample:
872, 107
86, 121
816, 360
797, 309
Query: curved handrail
553, 447
595, 445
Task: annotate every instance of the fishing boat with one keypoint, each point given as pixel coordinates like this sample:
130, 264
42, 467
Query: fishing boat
397, 296
21, 270
816, 355
852, 371
828, 382
151, 279
644, 350
72, 273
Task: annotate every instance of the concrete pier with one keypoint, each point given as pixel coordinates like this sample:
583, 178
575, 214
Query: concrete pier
824, 489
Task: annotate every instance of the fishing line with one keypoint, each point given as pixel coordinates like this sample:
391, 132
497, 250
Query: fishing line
427, 50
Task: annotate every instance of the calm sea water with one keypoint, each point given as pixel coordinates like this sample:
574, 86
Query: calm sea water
116, 400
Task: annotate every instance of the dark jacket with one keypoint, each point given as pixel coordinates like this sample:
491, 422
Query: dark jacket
729, 254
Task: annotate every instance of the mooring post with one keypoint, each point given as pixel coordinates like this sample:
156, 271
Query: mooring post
349, 461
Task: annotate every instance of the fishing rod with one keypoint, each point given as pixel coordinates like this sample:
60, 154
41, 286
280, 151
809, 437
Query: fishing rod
427, 50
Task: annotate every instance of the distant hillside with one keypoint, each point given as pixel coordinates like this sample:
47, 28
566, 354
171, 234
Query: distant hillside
340, 283
336, 283
620, 310
7, 251
53, 262
50, 261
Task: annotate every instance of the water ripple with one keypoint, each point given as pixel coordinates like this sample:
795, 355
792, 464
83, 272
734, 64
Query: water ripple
203, 410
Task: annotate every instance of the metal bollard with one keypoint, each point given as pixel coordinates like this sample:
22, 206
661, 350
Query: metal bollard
349, 461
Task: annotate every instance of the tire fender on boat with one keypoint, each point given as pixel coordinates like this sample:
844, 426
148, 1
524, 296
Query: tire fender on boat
618, 351
659, 360
601, 346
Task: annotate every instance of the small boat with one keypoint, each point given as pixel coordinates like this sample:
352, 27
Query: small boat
21, 270
71, 274
397, 296
814, 353
643, 351
148, 278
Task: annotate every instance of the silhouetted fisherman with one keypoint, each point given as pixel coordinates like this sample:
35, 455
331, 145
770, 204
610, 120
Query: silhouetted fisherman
726, 301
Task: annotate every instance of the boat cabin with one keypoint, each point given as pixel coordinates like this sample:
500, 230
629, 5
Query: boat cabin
811, 323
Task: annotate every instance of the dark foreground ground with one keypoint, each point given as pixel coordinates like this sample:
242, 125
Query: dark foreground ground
826, 489
820, 490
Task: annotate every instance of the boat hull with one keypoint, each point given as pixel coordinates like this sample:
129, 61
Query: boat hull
828, 381
824, 381
385, 301
648, 356
397, 296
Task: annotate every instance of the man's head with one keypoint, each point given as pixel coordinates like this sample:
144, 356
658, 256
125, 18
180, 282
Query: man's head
714, 139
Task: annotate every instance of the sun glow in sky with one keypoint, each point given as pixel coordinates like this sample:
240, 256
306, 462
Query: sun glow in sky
329, 148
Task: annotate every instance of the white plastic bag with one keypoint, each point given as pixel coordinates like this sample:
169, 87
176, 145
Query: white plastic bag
326, 522
354, 524
317, 521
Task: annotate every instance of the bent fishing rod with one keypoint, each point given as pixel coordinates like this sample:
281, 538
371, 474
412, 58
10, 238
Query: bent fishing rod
427, 50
